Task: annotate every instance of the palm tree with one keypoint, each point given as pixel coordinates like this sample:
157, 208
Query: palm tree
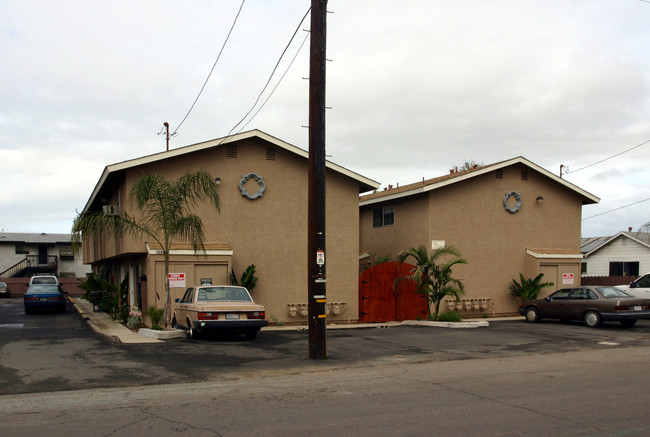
432, 274
165, 214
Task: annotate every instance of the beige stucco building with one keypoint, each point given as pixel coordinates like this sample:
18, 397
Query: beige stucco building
505, 219
262, 221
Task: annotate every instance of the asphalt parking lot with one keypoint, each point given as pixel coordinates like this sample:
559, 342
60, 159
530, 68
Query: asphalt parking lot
52, 352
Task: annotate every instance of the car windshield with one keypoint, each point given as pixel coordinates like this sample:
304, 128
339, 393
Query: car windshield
3, 284
43, 288
223, 294
44, 280
612, 292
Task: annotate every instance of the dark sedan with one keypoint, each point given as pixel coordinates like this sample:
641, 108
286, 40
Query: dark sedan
593, 304
44, 297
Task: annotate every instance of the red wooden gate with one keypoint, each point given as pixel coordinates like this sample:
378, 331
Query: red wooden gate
379, 302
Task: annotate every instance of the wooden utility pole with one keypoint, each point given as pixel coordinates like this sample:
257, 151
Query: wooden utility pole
317, 299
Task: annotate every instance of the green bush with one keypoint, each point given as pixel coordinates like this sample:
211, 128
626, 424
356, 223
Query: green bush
450, 316
156, 316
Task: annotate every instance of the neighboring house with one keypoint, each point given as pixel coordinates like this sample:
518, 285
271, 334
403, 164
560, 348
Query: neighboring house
624, 254
506, 218
22, 255
263, 221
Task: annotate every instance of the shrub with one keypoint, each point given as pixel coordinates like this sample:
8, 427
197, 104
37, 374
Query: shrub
450, 316
156, 316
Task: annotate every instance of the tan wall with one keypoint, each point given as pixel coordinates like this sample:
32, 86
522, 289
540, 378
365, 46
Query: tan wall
270, 231
470, 216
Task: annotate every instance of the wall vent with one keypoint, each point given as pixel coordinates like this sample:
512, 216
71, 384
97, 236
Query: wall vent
270, 153
231, 150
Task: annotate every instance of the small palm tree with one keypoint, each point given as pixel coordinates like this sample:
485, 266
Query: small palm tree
165, 215
528, 289
432, 274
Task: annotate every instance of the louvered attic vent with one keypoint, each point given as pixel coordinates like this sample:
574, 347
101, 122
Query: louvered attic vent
231, 150
270, 154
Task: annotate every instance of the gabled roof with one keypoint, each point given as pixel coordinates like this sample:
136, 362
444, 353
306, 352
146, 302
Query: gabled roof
365, 184
590, 245
459, 176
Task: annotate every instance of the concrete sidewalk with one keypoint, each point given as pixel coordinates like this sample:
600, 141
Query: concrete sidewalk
103, 324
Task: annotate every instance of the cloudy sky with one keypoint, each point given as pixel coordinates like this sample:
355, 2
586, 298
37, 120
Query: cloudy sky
416, 87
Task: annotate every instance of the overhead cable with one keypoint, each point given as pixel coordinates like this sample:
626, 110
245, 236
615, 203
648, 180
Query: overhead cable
616, 209
270, 77
211, 70
607, 159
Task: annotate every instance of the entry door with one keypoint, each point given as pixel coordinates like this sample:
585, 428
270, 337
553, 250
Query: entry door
42, 255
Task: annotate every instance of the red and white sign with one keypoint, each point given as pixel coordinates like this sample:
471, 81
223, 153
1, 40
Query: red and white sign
320, 257
177, 280
567, 278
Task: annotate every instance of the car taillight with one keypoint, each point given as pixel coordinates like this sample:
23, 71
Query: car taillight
631, 307
207, 316
256, 314
30, 298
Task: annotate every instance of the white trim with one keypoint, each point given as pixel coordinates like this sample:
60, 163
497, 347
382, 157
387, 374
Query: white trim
151, 251
216, 143
554, 255
478, 172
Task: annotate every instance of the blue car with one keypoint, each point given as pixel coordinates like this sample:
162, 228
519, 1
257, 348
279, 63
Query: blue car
44, 297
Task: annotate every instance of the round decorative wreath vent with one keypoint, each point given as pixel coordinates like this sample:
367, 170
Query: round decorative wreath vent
517, 197
260, 182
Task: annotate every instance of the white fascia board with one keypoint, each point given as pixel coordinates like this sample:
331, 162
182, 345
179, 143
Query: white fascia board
478, 172
151, 251
554, 255
218, 142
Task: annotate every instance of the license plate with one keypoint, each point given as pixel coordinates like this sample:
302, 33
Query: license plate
232, 316
637, 308
43, 299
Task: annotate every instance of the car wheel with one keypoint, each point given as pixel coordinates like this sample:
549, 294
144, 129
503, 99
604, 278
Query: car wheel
592, 319
191, 332
628, 322
532, 315
251, 335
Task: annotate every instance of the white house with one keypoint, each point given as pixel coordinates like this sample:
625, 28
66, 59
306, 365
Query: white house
624, 254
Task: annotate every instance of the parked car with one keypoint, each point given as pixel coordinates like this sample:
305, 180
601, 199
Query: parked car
43, 279
4, 291
593, 304
223, 308
640, 287
44, 297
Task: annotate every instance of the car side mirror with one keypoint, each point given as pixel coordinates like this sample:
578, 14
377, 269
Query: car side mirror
177, 300
547, 299
632, 284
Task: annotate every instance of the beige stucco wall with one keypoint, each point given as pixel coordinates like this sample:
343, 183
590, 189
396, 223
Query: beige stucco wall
270, 231
470, 216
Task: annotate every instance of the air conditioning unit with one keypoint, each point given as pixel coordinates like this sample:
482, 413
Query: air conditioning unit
110, 210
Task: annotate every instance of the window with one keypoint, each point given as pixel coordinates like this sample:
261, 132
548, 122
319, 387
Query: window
383, 217
583, 269
22, 250
624, 268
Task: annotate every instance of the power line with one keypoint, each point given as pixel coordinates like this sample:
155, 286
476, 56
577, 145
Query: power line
270, 77
616, 209
276, 85
211, 70
607, 159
